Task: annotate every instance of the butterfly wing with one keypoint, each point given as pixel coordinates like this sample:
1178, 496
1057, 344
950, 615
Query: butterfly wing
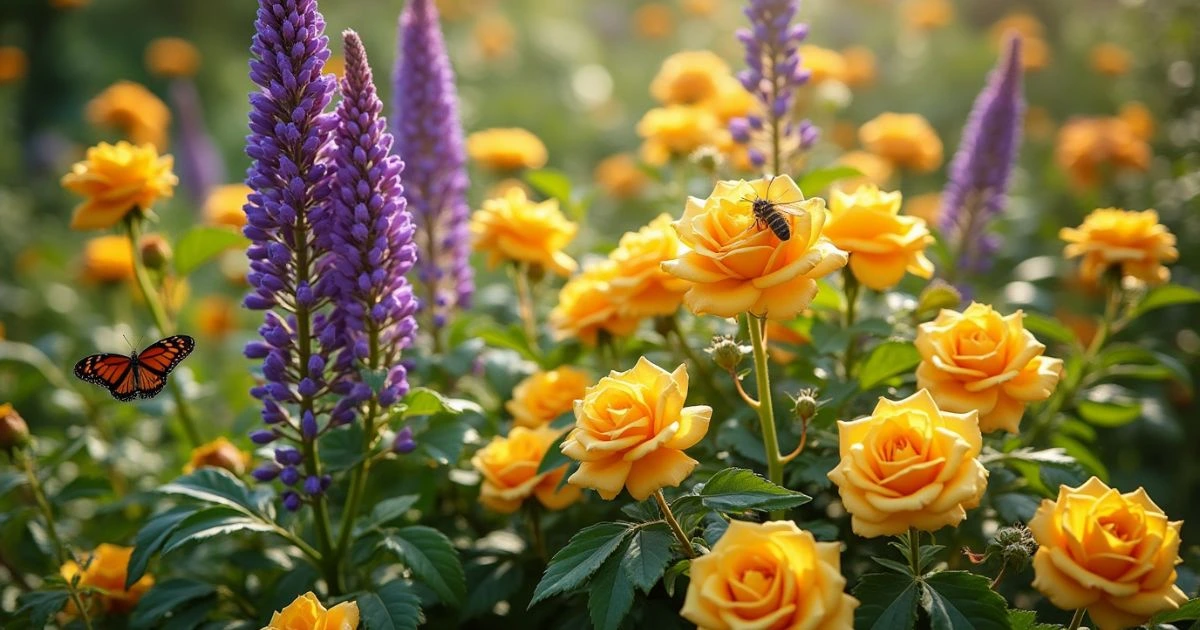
156, 362
114, 372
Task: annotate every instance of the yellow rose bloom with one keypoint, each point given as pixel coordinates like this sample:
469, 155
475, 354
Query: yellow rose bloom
216, 316
980, 360
13, 64
306, 613
513, 228
882, 243
108, 259
909, 464
860, 67
1134, 240
631, 429
133, 110
116, 179
653, 20
543, 396
105, 569
219, 453
689, 77
675, 131
1111, 553
823, 64
641, 288
736, 265
509, 467
928, 15
172, 57
1110, 59
1088, 148
905, 140
874, 169
225, 205
586, 307
1139, 119
506, 149
619, 176
769, 575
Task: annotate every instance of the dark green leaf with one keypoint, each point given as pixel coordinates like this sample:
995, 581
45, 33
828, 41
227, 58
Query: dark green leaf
491, 583
214, 521
422, 401
582, 556
563, 421
387, 511
647, 555
555, 184
610, 594
393, 606
888, 359
715, 527
151, 537
204, 243
432, 558
958, 600
1046, 328
1188, 611
887, 601
738, 490
554, 456
1082, 454
41, 605
1027, 620
10, 480
442, 442
676, 571
888, 563
166, 597
342, 448
1015, 507
83, 488
213, 485
1166, 295
1109, 413
819, 179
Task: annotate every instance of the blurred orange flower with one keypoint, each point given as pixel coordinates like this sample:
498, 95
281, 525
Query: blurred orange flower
1089, 147
216, 316
219, 453
104, 570
700, 7
494, 35
1024, 24
506, 149
134, 110
116, 180
1139, 119
860, 67
1134, 241
689, 77
823, 64
1039, 125
874, 169
927, 206
13, 64
225, 205
653, 20
172, 57
1110, 59
107, 259
620, 177
905, 140
927, 15
675, 131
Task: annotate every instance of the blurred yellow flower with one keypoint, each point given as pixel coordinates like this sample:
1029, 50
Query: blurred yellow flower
216, 316
134, 111
1134, 241
689, 77
104, 570
860, 67
506, 149
631, 429
731, 152
875, 170
882, 243
927, 206
620, 177
675, 131
1110, 59
1024, 24
509, 467
513, 228
225, 205
116, 180
823, 64
2, 331
1088, 149
905, 140
844, 134
306, 613
1039, 124
501, 188
494, 35
653, 20
641, 287
701, 8
586, 307
1139, 119
927, 15
13, 64
543, 396
107, 259
336, 65
219, 453
731, 100
172, 57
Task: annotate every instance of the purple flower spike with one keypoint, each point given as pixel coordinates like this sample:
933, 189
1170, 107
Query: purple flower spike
200, 164
429, 137
976, 190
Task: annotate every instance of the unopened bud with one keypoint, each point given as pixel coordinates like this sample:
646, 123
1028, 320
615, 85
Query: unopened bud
156, 252
14, 433
937, 295
727, 353
708, 158
1014, 544
806, 405
404, 442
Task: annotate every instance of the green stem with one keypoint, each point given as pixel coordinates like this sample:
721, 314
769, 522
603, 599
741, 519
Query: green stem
533, 511
133, 224
851, 289
1077, 620
676, 529
999, 576
914, 550
358, 481
526, 307
766, 408
39, 497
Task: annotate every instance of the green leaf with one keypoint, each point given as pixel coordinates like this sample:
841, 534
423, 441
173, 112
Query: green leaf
887, 602
1083, 456
387, 511
432, 558
151, 537
1166, 295
216, 486
1046, 328
41, 605
1015, 507
513, 338
1188, 611
10, 480
1110, 413
166, 597
214, 521
582, 556
677, 570
819, 179
610, 594
958, 600
738, 490
894, 565
489, 583
422, 401
647, 555
554, 457
1027, 620
83, 488
888, 359
393, 606
204, 243
342, 448
554, 183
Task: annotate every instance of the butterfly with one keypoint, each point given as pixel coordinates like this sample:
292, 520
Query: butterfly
139, 374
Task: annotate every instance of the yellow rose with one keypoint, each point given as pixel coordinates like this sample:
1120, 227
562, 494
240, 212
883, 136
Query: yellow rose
981, 360
769, 575
1134, 240
172, 57
1112, 553
506, 149
226, 205
586, 306
219, 453
1110, 59
822, 64
689, 77
134, 110
513, 228
105, 569
116, 180
107, 259
905, 140
494, 35
631, 429
641, 288
1089, 148
675, 131
544, 396
882, 243
509, 467
620, 177
13, 64
909, 464
927, 206
860, 67
731, 100
737, 265
306, 613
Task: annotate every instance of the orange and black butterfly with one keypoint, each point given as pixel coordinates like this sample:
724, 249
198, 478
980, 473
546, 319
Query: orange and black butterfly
139, 374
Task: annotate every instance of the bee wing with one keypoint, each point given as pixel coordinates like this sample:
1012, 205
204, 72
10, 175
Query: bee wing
799, 206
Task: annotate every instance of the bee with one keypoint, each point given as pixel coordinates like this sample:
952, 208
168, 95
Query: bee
772, 214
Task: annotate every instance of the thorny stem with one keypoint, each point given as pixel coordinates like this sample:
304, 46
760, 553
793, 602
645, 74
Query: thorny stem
39, 496
766, 407
676, 529
1077, 620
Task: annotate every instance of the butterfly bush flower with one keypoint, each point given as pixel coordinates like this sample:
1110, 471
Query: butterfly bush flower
979, 173
429, 135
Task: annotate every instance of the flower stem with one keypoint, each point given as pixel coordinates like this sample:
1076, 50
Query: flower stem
358, 481
534, 514
684, 542
39, 497
914, 550
851, 289
1077, 620
133, 224
526, 307
999, 576
766, 408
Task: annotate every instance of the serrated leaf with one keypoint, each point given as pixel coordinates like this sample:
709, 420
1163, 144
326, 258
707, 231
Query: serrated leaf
577, 561
1187, 611
216, 486
432, 558
610, 594
393, 606
1166, 295
886, 602
1015, 507
210, 522
1046, 328
342, 447
151, 537
387, 510
819, 179
958, 600
738, 490
888, 359
422, 401
202, 244
1027, 620
166, 597
489, 584
1109, 413
41, 605
554, 457
888, 563
647, 555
